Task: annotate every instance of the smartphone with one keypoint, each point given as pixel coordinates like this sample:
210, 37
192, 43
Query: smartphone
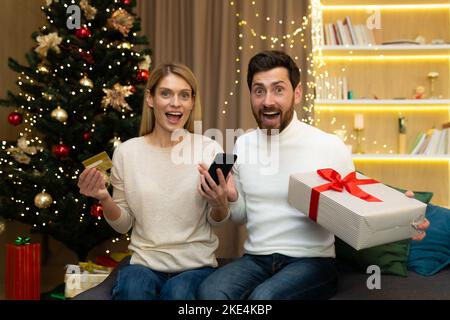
224, 162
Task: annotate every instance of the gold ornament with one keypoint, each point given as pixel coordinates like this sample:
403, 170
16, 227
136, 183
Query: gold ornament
2, 225
124, 45
59, 114
122, 21
47, 96
89, 11
86, 82
115, 142
116, 97
43, 200
50, 41
146, 63
42, 68
23, 150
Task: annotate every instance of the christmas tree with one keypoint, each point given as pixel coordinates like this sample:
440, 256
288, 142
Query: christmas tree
80, 94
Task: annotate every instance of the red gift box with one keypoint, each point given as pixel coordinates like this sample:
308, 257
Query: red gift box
23, 272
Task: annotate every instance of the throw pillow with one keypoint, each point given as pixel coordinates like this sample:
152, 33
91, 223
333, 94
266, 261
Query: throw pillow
391, 257
432, 254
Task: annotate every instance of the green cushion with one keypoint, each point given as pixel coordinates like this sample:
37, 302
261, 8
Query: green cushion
391, 257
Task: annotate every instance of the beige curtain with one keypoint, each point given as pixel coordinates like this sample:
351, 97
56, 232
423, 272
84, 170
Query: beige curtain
206, 35
20, 18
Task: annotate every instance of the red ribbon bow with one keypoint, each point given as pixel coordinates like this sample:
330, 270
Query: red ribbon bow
350, 183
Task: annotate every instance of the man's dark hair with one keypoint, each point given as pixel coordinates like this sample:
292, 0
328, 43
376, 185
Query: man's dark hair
268, 60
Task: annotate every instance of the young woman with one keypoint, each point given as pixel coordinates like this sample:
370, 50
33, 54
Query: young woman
155, 183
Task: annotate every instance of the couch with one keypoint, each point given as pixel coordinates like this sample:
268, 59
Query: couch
430, 257
352, 285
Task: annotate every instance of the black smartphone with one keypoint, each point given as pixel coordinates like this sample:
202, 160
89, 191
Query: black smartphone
224, 162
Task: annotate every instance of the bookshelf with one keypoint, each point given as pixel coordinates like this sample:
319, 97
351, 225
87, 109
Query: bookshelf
382, 79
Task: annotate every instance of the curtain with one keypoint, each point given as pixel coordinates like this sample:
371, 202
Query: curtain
20, 18
216, 39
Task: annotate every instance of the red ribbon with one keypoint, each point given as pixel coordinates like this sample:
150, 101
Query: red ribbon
350, 183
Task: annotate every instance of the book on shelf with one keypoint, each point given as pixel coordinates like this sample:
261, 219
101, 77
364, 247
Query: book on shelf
432, 146
351, 31
420, 140
442, 143
433, 142
332, 88
346, 33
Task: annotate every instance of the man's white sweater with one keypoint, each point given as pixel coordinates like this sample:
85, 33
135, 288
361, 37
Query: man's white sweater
262, 177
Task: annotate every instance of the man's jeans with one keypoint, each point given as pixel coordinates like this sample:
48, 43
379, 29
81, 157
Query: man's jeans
272, 277
136, 282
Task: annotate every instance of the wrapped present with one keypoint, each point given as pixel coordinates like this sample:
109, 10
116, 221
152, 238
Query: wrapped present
361, 211
106, 261
81, 277
23, 270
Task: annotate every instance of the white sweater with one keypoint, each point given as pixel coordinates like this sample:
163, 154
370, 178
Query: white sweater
273, 225
159, 200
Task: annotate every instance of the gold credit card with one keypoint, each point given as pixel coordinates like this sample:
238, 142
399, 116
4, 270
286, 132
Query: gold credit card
100, 161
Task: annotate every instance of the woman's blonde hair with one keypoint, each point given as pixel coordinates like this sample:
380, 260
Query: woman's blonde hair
181, 70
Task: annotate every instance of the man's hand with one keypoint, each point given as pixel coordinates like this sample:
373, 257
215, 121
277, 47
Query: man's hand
421, 228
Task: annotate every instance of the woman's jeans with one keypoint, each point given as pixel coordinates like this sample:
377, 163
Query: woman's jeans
272, 277
136, 282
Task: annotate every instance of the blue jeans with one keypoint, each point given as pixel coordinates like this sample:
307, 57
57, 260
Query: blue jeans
272, 277
137, 282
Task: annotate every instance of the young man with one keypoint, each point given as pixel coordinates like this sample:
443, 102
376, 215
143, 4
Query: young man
287, 256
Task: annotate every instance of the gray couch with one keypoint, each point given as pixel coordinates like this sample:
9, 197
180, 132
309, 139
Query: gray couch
352, 286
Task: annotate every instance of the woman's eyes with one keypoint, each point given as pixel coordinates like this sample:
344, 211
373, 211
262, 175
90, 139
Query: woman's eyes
170, 94
165, 94
186, 95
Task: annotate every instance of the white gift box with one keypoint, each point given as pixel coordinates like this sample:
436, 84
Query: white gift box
360, 223
78, 280
77, 283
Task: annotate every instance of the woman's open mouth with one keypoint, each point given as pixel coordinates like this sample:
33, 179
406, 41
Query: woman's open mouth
174, 117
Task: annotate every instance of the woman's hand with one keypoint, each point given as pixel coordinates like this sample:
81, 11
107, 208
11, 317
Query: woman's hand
92, 184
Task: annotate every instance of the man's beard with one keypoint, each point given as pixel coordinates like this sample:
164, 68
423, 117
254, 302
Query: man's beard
285, 119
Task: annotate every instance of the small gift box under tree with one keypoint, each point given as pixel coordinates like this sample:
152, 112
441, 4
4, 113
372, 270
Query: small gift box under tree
23, 270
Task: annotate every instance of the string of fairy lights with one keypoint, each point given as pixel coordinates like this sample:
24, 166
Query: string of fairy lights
317, 66
321, 72
248, 38
291, 40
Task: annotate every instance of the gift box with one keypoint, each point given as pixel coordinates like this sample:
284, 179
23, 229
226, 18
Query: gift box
81, 277
361, 211
23, 271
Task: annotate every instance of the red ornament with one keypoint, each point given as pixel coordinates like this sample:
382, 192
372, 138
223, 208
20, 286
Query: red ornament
61, 150
86, 136
97, 210
142, 75
133, 89
87, 56
83, 33
126, 2
15, 118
